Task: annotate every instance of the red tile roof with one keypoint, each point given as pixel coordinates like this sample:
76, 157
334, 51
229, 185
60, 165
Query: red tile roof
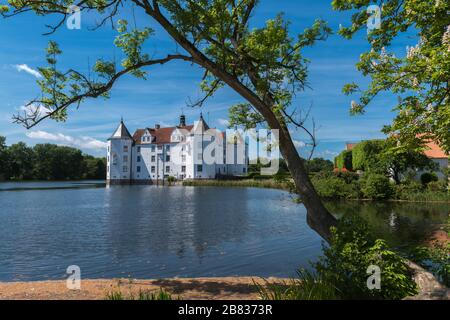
350, 146
433, 151
161, 135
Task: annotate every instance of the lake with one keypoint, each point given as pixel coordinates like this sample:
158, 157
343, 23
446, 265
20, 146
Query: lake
157, 232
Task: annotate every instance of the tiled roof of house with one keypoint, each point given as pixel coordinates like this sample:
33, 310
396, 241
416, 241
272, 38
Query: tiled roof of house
350, 146
433, 151
161, 135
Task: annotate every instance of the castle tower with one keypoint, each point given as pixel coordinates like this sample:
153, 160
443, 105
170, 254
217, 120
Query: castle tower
119, 156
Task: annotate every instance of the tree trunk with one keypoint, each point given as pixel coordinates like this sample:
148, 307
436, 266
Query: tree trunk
318, 217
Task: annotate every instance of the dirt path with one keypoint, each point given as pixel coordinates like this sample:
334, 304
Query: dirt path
198, 288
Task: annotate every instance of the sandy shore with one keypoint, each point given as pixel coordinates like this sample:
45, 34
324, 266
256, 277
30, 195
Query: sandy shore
195, 288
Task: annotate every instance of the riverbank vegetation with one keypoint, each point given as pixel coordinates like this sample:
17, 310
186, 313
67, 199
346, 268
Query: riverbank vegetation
333, 184
141, 295
436, 256
48, 162
376, 186
342, 271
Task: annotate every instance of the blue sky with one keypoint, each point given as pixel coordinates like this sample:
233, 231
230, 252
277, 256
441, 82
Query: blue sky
161, 98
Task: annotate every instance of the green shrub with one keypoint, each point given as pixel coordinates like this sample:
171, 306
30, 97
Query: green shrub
142, 295
428, 177
407, 189
308, 286
353, 249
341, 273
348, 177
437, 186
171, 179
435, 259
376, 186
335, 188
365, 155
344, 160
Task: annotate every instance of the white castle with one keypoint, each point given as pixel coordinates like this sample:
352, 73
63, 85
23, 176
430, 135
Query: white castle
152, 155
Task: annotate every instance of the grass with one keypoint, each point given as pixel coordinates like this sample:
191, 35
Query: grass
411, 196
425, 196
142, 295
306, 287
255, 183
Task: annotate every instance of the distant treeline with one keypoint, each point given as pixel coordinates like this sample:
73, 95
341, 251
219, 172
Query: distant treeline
48, 162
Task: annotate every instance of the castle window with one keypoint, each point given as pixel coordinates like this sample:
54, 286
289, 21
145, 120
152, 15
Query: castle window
183, 158
125, 169
167, 169
183, 169
167, 148
114, 159
167, 158
138, 169
153, 169
138, 159
160, 148
153, 158
199, 168
125, 148
153, 148
125, 158
138, 149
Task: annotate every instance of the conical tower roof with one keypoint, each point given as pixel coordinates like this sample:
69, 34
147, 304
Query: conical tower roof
200, 126
121, 132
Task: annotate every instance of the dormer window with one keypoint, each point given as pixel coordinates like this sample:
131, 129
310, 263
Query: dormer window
147, 137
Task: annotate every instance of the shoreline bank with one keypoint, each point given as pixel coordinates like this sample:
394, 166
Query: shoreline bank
218, 288
271, 184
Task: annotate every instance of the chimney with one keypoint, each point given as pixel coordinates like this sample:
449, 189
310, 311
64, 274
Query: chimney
182, 120
157, 126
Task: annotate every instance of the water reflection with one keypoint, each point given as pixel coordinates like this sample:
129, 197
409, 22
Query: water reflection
151, 232
155, 232
401, 223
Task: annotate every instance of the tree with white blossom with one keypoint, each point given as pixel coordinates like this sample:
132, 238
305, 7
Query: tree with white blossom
420, 78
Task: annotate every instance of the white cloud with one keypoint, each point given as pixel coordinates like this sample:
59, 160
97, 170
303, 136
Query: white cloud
299, 143
223, 122
59, 138
35, 109
27, 69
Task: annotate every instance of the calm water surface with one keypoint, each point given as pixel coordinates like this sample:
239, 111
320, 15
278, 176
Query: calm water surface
151, 232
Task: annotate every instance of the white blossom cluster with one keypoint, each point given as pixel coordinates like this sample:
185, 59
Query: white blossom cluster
446, 39
411, 52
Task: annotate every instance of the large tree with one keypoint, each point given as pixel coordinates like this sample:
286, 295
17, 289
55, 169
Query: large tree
21, 161
264, 65
4, 163
420, 77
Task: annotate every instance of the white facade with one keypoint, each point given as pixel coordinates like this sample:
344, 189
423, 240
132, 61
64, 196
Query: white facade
152, 155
